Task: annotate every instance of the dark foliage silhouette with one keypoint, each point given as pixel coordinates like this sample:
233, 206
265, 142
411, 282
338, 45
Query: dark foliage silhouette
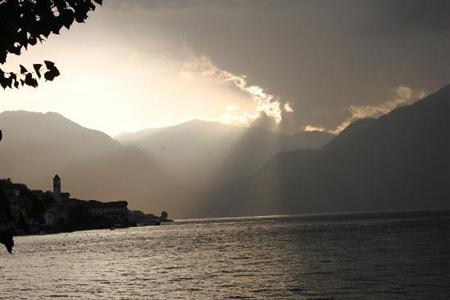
23, 23
6, 237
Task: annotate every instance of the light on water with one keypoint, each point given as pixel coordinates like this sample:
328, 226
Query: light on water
377, 256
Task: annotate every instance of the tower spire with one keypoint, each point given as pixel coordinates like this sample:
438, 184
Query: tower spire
57, 188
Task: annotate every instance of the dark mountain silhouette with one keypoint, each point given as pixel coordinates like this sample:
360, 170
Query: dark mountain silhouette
399, 161
214, 153
36, 146
166, 168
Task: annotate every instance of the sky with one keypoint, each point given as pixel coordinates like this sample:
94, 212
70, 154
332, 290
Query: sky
286, 65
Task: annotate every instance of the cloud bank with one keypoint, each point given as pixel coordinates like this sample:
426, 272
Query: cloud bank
266, 103
402, 95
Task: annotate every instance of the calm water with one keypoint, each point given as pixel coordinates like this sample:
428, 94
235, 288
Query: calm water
376, 256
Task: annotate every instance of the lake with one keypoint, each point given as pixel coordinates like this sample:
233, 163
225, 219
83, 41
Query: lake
359, 256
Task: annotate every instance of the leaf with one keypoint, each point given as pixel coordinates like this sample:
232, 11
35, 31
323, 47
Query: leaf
2, 56
33, 41
48, 76
51, 74
49, 64
67, 18
29, 80
3, 83
23, 70
15, 50
80, 16
37, 68
7, 82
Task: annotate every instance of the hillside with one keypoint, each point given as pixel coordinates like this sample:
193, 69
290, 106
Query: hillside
92, 165
399, 161
217, 153
196, 169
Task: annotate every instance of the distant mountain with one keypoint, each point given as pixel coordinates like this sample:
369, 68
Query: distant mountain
130, 137
399, 161
92, 165
214, 153
196, 169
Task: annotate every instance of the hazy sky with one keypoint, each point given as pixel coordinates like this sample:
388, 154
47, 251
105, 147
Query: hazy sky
307, 64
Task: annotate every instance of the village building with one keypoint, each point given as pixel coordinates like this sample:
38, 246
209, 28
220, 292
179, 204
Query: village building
56, 211
116, 211
17, 201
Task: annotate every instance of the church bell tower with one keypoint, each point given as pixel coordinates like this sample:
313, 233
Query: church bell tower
57, 188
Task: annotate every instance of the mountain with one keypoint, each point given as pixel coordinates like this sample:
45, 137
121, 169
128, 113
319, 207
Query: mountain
188, 159
130, 137
92, 165
398, 161
196, 169
214, 153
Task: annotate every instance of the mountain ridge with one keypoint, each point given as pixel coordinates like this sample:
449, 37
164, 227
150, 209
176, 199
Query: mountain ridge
398, 161
220, 151
92, 164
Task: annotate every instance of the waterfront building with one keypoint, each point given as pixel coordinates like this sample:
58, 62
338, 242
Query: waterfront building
116, 211
55, 211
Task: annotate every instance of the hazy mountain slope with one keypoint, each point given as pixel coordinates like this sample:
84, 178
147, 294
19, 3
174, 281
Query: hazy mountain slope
92, 165
130, 137
215, 152
399, 161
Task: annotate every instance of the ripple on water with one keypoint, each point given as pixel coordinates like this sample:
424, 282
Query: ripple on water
377, 256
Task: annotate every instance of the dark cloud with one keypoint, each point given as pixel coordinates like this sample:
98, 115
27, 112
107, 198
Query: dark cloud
322, 56
410, 17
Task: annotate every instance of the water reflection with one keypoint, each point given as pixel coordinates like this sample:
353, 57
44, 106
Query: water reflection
366, 256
